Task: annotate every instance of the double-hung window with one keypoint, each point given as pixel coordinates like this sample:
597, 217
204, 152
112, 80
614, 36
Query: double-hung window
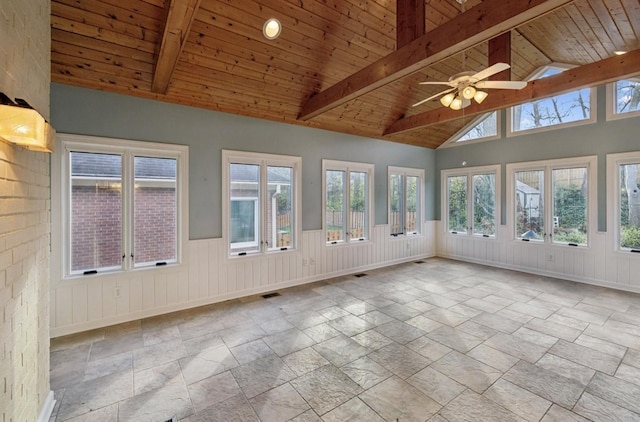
405, 200
553, 201
122, 204
261, 202
348, 192
623, 180
471, 200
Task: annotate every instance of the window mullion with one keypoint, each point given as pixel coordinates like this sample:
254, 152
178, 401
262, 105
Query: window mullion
263, 239
127, 210
470, 205
549, 205
346, 219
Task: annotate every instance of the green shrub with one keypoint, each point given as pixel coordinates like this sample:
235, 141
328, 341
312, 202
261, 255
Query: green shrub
630, 237
571, 237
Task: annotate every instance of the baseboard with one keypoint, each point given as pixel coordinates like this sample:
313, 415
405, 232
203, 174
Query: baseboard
47, 408
529, 270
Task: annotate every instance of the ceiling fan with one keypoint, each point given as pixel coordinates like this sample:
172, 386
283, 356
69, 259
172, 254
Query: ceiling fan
465, 86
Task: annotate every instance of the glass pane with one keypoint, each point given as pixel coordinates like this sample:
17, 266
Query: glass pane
395, 204
457, 195
484, 204
627, 96
570, 205
335, 206
358, 205
96, 211
244, 218
485, 128
530, 204
155, 210
630, 206
279, 209
411, 218
566, 108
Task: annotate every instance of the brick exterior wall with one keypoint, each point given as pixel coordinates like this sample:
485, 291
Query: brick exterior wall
24, 218
96, 218
96, 226
155, 229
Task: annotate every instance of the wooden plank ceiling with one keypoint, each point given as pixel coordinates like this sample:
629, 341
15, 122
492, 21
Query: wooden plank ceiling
212, 54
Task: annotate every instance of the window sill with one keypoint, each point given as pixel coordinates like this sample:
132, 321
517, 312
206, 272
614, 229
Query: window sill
343, 243
151, 269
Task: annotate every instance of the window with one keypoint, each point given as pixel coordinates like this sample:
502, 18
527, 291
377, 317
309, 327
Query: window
405, 200
483, 128
471, 200
347, 201
575, 107
623, 179
623, 99
553, 201
261, 191
124, 204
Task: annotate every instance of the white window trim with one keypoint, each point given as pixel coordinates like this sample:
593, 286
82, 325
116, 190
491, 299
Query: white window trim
407, 171
263, 160
469, 172
593, 111
349, 167
60, 191
590, 162
611, 104
613, 198
454, 141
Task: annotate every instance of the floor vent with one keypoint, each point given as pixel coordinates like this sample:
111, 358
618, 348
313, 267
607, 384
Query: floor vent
270, 295
419, 262
359, 275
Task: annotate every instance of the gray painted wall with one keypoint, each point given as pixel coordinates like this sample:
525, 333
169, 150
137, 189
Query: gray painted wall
90, 112
600, 138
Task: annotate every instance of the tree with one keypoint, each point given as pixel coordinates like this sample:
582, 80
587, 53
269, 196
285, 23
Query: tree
628, 96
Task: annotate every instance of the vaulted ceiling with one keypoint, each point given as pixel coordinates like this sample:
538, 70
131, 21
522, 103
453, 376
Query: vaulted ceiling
337, 64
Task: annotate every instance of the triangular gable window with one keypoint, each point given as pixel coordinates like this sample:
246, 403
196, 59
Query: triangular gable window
482, 128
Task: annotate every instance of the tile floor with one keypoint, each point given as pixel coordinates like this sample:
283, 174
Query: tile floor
437, 341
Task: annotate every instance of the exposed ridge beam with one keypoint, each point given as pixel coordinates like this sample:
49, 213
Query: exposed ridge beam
589, 75
479, 24
180, 16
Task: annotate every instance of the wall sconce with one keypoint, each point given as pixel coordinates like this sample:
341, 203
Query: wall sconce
22, 125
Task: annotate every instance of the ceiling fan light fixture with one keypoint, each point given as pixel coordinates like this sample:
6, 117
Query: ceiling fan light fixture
468, 92
271, 29
456, 104
447, 99
480, 96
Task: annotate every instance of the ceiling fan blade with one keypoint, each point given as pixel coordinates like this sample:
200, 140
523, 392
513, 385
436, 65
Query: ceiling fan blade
446, 91
436, 83
491, 70
501, 84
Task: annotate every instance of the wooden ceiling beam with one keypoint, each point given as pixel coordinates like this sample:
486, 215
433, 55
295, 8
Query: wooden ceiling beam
410, 21
500, 52
589, 75
479, 24
180, 16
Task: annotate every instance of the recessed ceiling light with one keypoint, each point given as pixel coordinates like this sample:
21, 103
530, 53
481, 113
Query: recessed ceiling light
272, 29
619, 52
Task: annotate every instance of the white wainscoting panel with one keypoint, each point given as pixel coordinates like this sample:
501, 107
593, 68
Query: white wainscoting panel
597, 264
208, 276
